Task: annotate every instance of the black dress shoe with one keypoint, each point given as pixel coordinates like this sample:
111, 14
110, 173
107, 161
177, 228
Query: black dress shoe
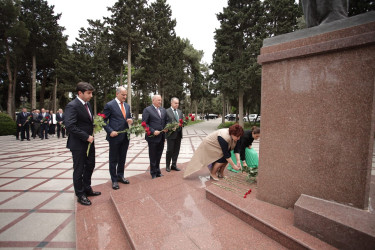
115, 185
168, 169
175, 169
93, 193
159, 175
153, 177
28, 139
84, 200
123, 180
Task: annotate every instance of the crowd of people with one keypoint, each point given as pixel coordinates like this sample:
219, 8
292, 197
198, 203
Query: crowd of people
77, 121
40, 123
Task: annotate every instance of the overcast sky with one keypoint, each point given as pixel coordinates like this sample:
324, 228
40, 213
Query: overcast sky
196, 19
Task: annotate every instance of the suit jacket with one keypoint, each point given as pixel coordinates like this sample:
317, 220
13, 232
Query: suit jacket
59, 118
79, 125
171, 118
155, 122
21, 118
47, 116
115, 120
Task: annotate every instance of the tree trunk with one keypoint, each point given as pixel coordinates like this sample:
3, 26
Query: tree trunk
203, 107
15, 72
130, 75
196, 108
240, 107
54, 97
10, 90
137, 105
95, 105
223, 115
121, 72
43, 89
33, 84
105, 94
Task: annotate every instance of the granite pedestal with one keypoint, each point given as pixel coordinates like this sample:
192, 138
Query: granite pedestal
317, 99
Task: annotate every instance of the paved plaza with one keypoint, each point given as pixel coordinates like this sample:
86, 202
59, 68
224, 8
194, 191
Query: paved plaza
37, 200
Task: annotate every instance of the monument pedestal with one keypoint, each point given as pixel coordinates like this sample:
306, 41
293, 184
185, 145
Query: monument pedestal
318, 115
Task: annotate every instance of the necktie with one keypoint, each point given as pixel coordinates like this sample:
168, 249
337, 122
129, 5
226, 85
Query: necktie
158, 112
175, 115
123, 110
88, 111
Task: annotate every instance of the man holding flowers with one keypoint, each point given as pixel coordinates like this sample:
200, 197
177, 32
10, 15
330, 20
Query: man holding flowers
174, 115
23, 121
78, 122
154, 119
118, 118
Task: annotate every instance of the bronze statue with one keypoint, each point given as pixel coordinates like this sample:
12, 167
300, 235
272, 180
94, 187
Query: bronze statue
324, 11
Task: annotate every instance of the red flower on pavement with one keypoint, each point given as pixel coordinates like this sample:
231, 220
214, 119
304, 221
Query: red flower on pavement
192, 118
181, 121
190, 115
187, 118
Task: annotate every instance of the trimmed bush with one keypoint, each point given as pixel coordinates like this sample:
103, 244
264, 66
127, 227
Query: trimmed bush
7, 125
247, 125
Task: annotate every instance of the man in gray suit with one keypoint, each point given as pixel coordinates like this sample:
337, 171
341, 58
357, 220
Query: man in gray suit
173, 139
155, 118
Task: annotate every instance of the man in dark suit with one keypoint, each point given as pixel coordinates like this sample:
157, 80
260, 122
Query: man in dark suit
59, 120
156, 119
78, 121
23, 122
44, 119
173, 139
118, 116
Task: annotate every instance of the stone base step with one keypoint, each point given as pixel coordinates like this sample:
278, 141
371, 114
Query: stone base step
274, 221
98, 226
172, 213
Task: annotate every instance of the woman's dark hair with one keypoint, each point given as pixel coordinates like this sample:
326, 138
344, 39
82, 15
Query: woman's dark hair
255, 129
236, 130
84, 86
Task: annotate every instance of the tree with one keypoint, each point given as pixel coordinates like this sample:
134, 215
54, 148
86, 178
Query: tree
237, 46
13, 41
127, 24
44, 42
194, 76
281, 16
94, 45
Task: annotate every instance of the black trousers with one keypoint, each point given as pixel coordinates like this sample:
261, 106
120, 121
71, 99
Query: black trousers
36, 131
60, 129
44, 130
173, 150
83, 167
155, 150
117, 158
25, 129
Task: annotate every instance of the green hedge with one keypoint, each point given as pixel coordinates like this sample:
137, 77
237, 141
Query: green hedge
247, 125
7, 125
